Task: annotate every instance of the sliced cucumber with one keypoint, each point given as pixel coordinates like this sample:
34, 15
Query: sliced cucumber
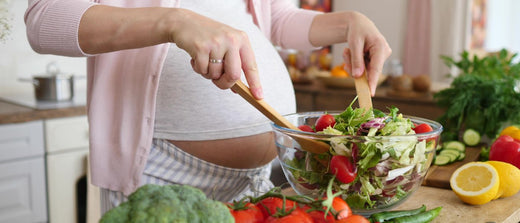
442, 160
452, 154
455, 145
462, 156
471, 137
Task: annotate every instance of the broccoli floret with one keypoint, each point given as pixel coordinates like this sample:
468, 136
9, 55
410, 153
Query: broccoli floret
170, 203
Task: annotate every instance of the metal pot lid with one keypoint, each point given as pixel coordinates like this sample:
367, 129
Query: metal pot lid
53, 71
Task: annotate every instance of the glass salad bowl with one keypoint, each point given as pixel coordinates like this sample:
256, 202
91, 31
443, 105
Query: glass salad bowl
375, 172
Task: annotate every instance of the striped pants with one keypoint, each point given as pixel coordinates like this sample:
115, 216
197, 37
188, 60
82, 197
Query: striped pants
167, 164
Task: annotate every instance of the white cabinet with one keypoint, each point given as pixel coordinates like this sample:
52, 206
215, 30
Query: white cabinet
66, 148
22, 173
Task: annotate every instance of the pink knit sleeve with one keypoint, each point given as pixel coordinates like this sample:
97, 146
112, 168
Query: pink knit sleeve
52, 26
290, 25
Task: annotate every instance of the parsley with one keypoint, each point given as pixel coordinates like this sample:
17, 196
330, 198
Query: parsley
484, 96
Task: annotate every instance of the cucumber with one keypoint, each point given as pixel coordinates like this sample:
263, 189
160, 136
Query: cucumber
471, 137
455, 145
441, 160
452, 154
462, 156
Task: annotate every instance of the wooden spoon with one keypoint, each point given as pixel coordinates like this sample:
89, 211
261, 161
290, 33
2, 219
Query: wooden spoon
306, 144
363, 92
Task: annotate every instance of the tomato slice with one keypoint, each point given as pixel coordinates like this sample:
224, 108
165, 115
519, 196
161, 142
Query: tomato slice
305, 128
324, 121
422, 128
343, 168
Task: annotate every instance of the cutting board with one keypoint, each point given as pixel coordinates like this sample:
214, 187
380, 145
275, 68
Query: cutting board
439, 176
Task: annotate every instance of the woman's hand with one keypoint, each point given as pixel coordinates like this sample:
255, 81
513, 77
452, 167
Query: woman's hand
219, 52
108, 29
367, 48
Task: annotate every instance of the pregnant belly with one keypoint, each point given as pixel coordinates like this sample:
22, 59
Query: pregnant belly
242, 152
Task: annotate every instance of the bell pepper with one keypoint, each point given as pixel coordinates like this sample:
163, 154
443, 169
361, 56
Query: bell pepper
512, 131
506, 149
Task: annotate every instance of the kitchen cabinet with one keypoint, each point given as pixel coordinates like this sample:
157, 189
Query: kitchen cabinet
22, 173
66, 147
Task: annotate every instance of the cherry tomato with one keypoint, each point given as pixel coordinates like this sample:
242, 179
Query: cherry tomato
422, 128
324, 121
246, 213
305, 128
296, 216
319, 216
505, 149
354, 219
270, 205
341, 207
343, 168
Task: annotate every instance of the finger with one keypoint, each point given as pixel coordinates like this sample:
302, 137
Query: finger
231, 69
215, 69
251, 70
375, 66
200, 64
347, 60
357, 57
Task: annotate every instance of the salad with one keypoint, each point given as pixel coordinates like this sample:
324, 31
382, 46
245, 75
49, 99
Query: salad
376, 160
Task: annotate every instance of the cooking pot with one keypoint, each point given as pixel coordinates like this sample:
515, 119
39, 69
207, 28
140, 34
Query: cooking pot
53, 85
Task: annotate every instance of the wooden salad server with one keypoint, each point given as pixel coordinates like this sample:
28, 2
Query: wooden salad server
306, 144
363, 92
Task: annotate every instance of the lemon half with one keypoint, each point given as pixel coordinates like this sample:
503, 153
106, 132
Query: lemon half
509, 176
475, 182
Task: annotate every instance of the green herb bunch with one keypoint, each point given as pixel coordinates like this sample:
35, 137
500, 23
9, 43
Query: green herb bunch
484, 96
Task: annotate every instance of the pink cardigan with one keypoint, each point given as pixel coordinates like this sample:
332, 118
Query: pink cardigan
122, 86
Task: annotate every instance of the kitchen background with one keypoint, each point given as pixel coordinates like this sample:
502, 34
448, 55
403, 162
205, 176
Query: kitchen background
66, 140
17, 60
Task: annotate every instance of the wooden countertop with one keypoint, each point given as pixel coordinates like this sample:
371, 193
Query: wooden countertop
12, 113
504, 210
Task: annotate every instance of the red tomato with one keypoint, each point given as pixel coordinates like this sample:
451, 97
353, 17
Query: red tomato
270, 205
305, 128
341, 207
343, 168
354, 219
296, 216
324, 121
246, 213
422, 128
505, 149
319, 216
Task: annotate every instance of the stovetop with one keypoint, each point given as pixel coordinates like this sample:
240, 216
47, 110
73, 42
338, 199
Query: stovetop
28, 100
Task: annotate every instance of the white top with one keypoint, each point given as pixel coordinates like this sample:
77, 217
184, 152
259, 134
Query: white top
190, 107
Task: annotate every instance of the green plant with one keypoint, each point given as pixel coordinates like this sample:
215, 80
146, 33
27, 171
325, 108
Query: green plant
483, 96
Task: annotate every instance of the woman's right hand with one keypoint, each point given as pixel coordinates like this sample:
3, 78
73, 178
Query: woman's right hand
205, 39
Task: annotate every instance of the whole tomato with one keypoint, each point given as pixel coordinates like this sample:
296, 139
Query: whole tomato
505, 149
341, 207
324, 121
354, 219
270, 205
246, 213
343, 168
296, 216
319, 216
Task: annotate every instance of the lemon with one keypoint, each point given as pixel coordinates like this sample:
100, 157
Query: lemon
509, 176
475, 182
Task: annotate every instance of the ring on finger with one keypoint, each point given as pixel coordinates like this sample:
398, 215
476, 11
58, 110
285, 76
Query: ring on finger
216, 60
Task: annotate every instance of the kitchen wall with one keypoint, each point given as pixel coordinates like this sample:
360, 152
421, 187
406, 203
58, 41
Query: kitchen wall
388, 16
18, 60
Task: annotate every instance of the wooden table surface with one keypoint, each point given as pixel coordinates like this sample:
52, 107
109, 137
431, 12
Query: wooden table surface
504, 210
